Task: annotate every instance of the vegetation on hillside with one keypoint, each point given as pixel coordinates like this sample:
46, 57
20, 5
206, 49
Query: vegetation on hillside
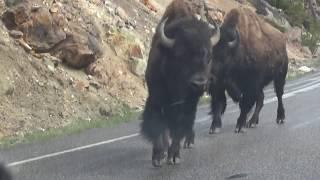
298, 15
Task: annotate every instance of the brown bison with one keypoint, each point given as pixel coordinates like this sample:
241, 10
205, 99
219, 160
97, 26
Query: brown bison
177, 73
250, 54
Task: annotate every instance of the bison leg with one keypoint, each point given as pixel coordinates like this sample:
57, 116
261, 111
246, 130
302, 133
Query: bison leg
259, 104
279, 83
246, 104
190, 116
189, 140
153, 127
218, 106
233, 90
158, 152
183, 127
174, 149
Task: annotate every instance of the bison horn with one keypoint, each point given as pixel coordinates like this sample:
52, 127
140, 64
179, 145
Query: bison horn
233, 43
216, 37
167, 42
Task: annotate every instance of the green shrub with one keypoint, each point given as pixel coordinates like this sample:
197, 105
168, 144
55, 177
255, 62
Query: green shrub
294, 10
280, 4
297, 16
275, 25
312, 37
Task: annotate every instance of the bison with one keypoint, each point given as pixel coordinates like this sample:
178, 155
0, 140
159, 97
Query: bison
250, 54
176, 76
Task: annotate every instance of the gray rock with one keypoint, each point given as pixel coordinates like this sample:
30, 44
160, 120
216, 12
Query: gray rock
121, 13
50, 65
278, 19
305, 69
138, 66
317, 52
11, 3
16, 34
6, 87
306, 51
105, 110
294, 34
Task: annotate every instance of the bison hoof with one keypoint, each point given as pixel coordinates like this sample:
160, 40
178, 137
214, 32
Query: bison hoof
215, 131
170, 161
251, 125
239, 130
174, 161
254, 125
280, 121
177, 160
157, 163
188, 145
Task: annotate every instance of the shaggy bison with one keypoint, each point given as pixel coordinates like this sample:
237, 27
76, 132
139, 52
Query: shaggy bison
176, 76
250, 54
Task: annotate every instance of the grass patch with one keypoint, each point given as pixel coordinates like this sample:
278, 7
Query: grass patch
295, 75
206, 99
73, 128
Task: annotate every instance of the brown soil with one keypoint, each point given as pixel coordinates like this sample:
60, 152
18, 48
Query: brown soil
37, 92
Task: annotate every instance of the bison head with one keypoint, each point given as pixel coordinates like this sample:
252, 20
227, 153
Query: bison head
187, 46
230, 38
226, 50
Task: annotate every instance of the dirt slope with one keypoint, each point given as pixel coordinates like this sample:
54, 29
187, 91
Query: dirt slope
39, 92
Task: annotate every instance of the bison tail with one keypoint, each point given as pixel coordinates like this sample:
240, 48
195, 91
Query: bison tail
152, 126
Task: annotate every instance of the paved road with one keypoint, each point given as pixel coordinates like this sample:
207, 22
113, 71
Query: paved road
290, 151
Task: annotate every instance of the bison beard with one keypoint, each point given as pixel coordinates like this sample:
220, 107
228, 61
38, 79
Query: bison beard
244, 68
177, 72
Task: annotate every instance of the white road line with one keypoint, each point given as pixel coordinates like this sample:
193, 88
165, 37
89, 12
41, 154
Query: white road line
72, 150
268, 92
267, 101
304, 124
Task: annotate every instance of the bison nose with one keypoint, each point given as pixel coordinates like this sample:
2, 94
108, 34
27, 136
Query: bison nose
199, 83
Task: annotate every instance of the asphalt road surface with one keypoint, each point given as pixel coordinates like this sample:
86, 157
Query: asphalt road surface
270, 151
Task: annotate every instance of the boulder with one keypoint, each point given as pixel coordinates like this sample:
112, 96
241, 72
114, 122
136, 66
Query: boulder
316, 52
37, 25
121, 13
306, 51
44, 31
75, 51
305, 69
41, 32
294, 34
135, 50
278, 19
138, 66
16, 34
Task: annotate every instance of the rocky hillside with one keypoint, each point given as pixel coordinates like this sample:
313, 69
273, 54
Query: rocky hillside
82, 60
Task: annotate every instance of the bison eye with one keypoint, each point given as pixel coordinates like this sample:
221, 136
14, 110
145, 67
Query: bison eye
204, 54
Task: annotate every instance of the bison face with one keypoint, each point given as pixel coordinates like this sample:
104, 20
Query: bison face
187, 44
224, 53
